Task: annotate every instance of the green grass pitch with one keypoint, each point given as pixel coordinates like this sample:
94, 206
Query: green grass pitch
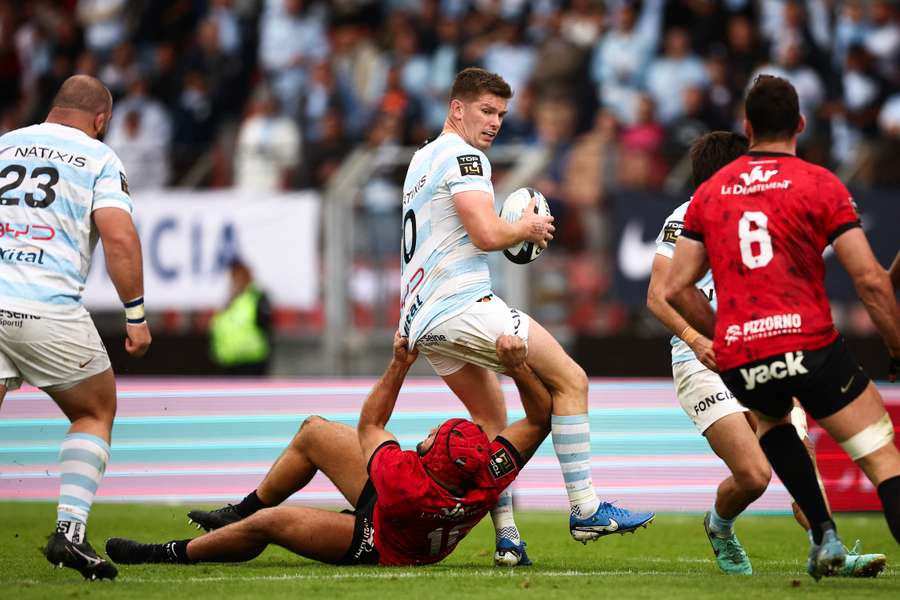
670, 559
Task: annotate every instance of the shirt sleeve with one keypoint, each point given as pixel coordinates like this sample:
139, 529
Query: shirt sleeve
840, 210
693, 222
111, 187
467, 171
393, 473
505, 463
668, 235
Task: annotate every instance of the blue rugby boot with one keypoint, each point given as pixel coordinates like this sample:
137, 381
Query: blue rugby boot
862, 565
828, 558
607, 519
511, 554
730, 554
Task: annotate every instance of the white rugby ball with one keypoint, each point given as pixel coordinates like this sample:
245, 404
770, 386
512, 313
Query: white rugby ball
513, 207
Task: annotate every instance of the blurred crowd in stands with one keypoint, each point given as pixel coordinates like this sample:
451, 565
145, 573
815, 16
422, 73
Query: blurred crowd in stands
274, 94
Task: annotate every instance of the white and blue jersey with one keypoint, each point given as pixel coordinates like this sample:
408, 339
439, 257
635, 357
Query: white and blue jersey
52, 178
443, 272
665, 245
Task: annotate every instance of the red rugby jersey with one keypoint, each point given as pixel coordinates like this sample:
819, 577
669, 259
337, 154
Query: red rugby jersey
765, 220
419, 522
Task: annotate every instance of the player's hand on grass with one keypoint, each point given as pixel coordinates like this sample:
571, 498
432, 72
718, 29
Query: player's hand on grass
138, 341
703, 349
512, 352
402, 353
536, 228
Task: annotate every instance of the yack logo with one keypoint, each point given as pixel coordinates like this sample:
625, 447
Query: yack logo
789, 367
758, 175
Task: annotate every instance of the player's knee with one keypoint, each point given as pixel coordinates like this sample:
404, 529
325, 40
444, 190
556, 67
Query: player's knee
310, 426
578, 381
263, 523
754, 479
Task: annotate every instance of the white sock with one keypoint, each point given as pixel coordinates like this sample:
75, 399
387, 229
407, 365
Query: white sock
82, 459
502, 516
572, 443
720, 526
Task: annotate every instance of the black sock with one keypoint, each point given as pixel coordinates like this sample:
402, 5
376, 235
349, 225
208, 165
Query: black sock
250, 505
889, 492
176, 552
790, 461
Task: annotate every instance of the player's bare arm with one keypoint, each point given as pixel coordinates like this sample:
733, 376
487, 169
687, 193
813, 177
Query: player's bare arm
378, 407
894, 272
489, 232
668, 316
872, 284
122, 249
689, 263
528, 433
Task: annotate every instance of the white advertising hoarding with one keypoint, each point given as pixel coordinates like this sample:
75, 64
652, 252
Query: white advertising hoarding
189, 237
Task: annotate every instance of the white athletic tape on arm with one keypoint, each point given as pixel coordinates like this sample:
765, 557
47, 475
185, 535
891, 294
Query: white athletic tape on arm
870, 439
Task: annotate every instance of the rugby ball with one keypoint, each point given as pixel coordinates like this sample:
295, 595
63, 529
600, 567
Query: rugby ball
513, 207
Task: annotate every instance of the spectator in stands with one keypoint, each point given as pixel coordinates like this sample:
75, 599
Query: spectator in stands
620, 61
361, 72
325, 156
640, 148
240, 334
509, 56
745, 52
884, 40
144, 153
671, 74
268, 147
291, 41
153, 117
442, 68
120, 70
104, 23
221, 69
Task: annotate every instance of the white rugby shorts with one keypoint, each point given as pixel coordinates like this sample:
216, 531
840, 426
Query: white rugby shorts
51, 354
471, 336
702, 394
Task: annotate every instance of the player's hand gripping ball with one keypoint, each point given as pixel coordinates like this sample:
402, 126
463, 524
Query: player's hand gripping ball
513, 207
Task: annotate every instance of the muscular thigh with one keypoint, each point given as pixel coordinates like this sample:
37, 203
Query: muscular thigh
481, 394
546, 357
335, 448
318, 534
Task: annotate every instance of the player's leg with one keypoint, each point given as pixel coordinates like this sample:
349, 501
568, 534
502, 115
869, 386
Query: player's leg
856, 564
720, 418
319, 445
90, 406
571, 435
864, 429
479, 390
318, 534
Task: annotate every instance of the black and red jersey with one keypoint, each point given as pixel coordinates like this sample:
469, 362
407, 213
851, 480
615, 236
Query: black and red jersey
419, 522
765, 220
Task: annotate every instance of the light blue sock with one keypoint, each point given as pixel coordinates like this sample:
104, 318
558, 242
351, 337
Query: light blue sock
83, 459
720, 526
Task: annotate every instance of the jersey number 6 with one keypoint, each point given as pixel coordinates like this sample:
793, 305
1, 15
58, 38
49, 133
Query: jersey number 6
760, 235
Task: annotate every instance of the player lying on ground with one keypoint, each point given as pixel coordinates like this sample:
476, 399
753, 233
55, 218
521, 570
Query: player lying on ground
761, 224
449, 310
729, 428
412, 507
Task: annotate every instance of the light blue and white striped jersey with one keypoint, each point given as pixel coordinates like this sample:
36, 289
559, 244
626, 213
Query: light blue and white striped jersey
665, 245
443, 272
52, 178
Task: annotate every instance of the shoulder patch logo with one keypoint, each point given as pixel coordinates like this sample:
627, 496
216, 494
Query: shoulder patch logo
124, 181
470, 164
671, 231
501, 463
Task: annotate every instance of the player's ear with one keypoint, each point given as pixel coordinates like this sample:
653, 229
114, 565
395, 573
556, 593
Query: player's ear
801, 125
748, 129
456, 108
101, 121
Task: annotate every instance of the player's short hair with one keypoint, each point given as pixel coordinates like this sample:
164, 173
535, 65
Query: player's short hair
714, 150
85, 93
772, 107
472, 82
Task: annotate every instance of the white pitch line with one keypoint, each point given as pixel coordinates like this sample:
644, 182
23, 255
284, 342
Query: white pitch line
387, 573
